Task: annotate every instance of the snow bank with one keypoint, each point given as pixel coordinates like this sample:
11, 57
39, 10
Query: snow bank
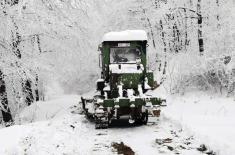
63, 135
128, 35
40, 111
208, 117
10, 138
62, 132
60, 136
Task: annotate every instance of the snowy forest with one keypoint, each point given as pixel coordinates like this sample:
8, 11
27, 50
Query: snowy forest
48, 49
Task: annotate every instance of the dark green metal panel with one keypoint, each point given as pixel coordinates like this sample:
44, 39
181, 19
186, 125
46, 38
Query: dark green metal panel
149, 75
108, 103
105, 64
130, 80
114, 92
124, 102
139, 101
156, 101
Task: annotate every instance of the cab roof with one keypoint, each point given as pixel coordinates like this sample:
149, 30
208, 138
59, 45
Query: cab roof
128, 35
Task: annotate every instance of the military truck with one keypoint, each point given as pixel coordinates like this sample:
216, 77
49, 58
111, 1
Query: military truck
124, 81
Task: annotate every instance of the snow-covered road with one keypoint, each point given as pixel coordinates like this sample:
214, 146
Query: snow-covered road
57, 128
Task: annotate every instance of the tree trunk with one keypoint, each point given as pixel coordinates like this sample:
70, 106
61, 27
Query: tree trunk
26, 84
217, 17
186, 31
27, 89
151, 28
200, 37
6, 113
36, 89
165, 50
37, 97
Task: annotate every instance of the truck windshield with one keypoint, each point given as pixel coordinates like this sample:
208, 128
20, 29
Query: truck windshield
124, 55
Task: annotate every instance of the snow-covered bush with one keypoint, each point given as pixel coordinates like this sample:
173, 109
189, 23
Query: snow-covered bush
186, 72
195, 44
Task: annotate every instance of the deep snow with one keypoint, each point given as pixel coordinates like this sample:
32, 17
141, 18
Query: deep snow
56, 127
209, 116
